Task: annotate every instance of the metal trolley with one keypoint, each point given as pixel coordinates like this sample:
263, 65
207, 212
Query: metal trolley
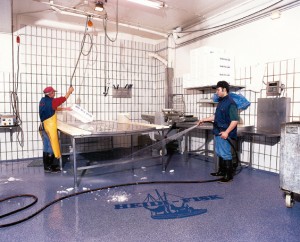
289, 170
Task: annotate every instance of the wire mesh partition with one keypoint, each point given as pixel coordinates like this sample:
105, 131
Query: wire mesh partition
47, 57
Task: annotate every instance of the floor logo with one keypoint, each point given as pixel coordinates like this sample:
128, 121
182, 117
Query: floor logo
162, 207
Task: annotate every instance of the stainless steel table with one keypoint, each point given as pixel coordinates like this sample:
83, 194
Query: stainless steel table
259, 133
78, 130
207, 128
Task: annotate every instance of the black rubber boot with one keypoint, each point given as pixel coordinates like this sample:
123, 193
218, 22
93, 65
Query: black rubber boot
221, 169
228, 176
47, 161
54, 164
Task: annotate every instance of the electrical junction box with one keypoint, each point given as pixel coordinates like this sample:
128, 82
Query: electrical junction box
7, 120
274, 88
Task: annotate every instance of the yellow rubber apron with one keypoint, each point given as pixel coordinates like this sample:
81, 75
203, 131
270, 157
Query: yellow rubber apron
50, 126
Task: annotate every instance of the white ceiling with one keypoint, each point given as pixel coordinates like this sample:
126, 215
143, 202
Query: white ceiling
137, 19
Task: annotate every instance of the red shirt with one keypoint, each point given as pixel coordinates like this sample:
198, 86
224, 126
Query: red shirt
56, 102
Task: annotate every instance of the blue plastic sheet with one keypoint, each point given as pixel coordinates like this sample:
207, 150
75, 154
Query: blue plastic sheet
241, 102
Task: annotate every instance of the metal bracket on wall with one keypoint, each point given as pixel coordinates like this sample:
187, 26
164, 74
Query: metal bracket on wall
11, 130
122, 92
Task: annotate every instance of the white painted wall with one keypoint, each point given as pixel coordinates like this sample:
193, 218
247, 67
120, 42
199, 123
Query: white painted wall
256, 43
5, 36
5, 52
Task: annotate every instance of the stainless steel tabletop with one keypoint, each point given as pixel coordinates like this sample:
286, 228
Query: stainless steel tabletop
209, 126
102, 128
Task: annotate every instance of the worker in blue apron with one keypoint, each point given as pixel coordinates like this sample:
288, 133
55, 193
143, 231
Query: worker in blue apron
48, 129
225, 122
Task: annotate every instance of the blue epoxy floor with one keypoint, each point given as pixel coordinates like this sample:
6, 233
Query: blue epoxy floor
251, 208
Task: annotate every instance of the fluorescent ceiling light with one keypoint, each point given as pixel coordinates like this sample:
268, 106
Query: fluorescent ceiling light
99, 7
150, 3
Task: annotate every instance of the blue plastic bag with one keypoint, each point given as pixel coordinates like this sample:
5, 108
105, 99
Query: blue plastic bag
241, 102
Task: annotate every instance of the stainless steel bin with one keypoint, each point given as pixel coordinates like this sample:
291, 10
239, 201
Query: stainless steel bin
289, 170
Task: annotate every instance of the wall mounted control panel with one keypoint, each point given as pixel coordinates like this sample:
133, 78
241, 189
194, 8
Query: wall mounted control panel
274, 88
7, 120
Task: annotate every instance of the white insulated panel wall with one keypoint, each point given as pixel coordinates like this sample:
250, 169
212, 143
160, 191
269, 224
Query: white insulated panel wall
209, 65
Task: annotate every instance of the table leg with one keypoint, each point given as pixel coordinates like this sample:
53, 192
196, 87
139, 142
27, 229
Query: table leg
251, 150
163, 152
186, 146
215, 157
74, 163
60, 159
206, 146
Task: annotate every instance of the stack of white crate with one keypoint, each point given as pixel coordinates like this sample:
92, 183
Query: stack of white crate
208, 66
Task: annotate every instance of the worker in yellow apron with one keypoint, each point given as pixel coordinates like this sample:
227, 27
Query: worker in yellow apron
48, 128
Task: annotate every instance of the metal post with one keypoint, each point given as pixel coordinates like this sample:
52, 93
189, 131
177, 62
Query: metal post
169, 75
